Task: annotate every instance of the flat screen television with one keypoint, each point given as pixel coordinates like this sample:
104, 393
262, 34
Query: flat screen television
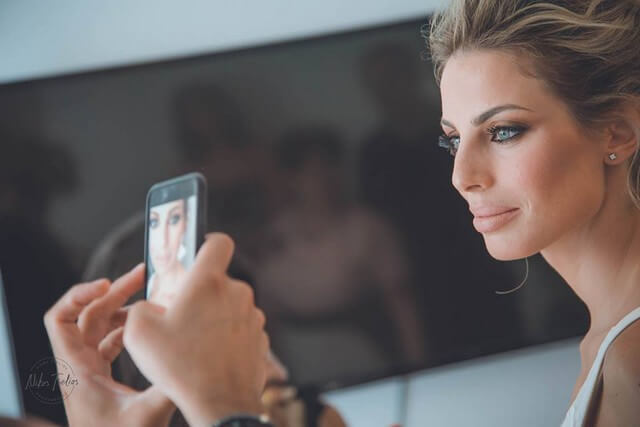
323, 164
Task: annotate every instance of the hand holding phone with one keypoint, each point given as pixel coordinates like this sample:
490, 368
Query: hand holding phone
175, 226
211, 378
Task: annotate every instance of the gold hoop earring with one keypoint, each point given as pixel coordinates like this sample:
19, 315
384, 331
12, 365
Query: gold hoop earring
526, 275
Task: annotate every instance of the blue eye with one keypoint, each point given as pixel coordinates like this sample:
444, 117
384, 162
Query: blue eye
450, 143
174, 219
503, 134
153, 223
499, 135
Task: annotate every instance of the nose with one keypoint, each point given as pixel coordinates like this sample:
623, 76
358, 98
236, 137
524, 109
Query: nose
471, 170
164, 235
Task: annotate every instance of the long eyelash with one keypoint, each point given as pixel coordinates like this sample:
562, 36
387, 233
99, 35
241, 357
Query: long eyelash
444, 141
492, 130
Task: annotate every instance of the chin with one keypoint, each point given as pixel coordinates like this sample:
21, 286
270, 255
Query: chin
507, 249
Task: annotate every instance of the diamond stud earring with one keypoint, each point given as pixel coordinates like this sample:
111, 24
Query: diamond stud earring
613, 156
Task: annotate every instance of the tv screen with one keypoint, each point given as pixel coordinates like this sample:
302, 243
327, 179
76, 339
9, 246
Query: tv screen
323, 164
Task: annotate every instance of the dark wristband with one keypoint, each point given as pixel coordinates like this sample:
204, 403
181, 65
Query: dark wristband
242, 420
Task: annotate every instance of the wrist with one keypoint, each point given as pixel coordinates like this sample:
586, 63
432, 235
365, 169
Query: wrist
208, 413
244, 420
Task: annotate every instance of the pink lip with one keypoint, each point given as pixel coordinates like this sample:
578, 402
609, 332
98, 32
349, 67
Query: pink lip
490, 218
161, 259
482, 211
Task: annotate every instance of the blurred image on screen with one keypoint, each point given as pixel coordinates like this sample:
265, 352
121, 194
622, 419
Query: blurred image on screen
322, 163
171, 247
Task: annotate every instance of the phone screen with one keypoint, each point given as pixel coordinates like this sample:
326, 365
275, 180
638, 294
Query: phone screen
171, 246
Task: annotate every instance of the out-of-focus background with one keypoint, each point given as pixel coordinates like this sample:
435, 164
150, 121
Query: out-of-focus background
316, 126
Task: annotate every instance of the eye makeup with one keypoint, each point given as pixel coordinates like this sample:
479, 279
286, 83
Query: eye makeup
499, 135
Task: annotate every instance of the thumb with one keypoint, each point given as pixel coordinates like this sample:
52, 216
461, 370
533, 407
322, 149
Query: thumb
158, 402
142, 322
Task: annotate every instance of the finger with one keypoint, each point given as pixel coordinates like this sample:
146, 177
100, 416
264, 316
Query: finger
262, 319
156, 308
142, 321
266, 344
214, 256
275, 369
208, 273
67, 309
242, 295
111, 346
124, 311
263, 348
119, 292
118, 318
125, 287
95, 322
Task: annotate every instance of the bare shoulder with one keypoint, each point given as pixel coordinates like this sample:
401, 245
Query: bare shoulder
622, 362
620, 393
331, 418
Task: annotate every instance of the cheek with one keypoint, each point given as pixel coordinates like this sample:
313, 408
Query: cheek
557, 185
153, 240
542, 174
561, 186
175, 235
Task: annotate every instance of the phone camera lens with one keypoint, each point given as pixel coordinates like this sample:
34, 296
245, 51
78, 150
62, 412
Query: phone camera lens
165, 194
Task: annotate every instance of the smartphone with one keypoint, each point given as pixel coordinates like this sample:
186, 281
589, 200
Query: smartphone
175, 225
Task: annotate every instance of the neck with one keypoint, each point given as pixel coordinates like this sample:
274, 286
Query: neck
599, 261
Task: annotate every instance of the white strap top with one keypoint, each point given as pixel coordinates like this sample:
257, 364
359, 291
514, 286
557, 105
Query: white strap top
579, 408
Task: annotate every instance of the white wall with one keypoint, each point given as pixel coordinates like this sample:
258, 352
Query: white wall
44, 38
525, 388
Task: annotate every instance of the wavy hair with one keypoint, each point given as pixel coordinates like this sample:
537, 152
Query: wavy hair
587, 52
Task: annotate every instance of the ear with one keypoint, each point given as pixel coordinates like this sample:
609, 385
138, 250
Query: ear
622, 138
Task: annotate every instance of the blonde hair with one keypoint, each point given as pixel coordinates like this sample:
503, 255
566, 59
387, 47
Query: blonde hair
586, 51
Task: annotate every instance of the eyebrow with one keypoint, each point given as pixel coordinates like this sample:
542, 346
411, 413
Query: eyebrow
174, 210
488, 114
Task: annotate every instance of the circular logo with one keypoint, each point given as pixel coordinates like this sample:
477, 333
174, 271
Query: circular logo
51, 380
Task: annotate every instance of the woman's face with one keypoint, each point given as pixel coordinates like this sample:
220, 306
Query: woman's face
167, 224
520, 151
